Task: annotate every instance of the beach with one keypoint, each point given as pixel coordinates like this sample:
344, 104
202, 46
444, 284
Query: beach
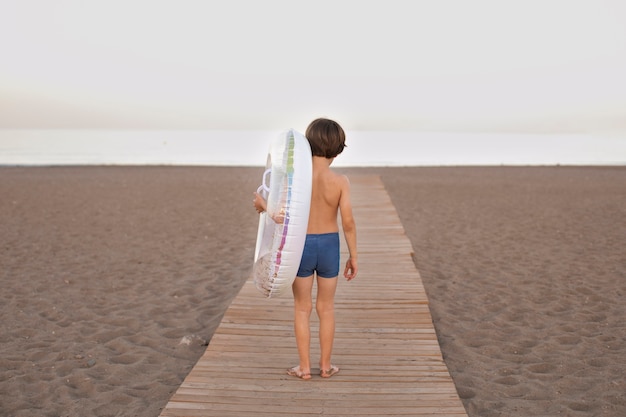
525, 271
114, 279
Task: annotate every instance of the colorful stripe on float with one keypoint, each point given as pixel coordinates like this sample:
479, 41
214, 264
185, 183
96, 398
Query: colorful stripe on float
290, 169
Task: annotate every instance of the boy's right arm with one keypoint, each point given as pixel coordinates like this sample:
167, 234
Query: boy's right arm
259, 203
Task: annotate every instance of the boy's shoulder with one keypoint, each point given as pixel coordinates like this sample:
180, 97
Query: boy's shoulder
340, 179
342, 183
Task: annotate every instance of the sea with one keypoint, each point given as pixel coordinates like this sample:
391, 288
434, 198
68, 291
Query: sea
26, 147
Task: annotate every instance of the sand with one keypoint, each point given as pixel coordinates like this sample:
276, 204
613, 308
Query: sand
114, 279
525, 269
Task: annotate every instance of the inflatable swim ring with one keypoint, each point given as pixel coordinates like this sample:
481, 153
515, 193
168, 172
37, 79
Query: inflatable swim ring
282, 228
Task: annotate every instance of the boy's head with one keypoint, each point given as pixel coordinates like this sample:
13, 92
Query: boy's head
326, 137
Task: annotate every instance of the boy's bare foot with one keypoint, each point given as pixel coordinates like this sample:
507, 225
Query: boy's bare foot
295, 371
327, 373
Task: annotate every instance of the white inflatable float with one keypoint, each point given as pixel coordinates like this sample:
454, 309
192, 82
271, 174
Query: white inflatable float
282, 228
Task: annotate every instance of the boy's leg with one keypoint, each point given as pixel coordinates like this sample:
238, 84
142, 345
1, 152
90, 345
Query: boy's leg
325, 307
303, 306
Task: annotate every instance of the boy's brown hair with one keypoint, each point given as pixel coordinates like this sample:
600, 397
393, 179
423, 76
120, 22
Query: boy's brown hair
326, 137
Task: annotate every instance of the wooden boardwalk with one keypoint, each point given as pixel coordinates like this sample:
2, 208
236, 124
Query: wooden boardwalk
385, 344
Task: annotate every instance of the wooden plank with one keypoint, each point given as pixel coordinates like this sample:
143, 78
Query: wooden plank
385, 344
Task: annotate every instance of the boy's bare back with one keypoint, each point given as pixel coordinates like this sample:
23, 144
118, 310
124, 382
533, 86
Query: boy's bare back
331, 194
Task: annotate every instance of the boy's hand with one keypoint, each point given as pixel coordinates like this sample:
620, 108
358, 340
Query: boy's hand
351, 269
280, 217
259, 203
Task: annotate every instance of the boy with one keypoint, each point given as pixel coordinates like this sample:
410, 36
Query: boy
330, 194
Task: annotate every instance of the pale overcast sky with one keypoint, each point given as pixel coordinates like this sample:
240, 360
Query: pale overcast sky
438, 65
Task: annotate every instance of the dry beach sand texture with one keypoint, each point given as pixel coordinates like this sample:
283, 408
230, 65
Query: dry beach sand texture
112, 281
525, 270
114, 278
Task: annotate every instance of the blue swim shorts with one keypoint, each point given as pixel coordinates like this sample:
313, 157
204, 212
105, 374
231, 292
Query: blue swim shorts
321, 255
